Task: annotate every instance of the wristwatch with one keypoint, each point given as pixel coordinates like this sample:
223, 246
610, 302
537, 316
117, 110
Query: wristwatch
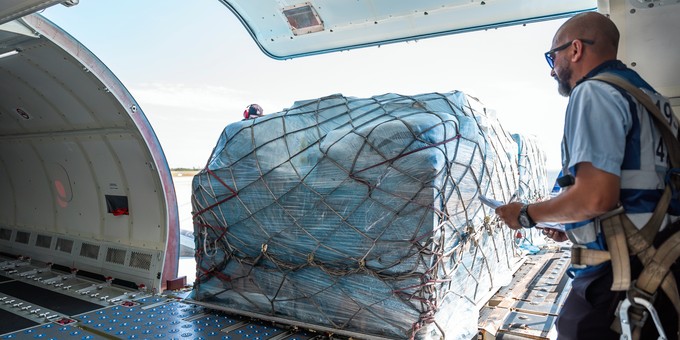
524, 219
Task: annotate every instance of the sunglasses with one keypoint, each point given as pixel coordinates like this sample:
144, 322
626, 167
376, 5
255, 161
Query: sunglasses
550, 55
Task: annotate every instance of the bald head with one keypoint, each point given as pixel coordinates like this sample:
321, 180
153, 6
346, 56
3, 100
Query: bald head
592, 26
581, 44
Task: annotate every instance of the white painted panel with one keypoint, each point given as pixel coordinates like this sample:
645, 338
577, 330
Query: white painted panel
54, 103
145, 199
9, 119
650, 43
87, 103
24, 109
7, 201
35, 206
79, 209
110, 181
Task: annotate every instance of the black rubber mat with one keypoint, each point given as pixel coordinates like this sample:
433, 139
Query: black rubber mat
5, 278
46, 298
12, 322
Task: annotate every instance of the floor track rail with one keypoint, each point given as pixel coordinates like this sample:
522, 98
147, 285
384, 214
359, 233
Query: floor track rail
527, 308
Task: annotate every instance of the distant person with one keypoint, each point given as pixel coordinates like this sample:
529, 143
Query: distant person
615, 162
253, 111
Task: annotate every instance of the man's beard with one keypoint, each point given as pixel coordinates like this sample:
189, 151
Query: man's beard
563, 86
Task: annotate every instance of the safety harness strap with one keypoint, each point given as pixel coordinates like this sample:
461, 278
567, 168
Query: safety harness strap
647, 283
618, 250
623, 239
655, 271
582, 256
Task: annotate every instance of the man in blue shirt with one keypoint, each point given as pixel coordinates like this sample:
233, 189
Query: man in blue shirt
612, 157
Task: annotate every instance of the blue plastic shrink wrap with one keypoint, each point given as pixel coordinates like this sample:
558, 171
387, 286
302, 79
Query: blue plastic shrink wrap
359, 214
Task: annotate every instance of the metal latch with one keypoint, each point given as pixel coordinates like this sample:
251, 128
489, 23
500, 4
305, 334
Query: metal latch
626, 331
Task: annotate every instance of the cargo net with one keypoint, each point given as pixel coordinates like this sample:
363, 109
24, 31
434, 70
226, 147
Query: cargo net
360, 215
532, 186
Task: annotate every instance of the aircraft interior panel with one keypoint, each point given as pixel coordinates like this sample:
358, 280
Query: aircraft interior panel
143, 201
85, 181
646, 44
73, 188
31, 187
81, 103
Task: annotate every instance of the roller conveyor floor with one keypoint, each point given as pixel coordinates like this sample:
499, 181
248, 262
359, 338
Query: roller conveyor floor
37, 302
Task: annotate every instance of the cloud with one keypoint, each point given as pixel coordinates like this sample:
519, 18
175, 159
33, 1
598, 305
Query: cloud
203, 98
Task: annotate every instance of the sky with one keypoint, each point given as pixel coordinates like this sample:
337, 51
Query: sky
192, 67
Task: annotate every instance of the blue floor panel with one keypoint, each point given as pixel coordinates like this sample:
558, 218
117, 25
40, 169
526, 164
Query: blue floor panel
157, 318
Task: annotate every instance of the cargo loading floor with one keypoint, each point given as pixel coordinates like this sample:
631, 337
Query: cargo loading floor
34, 305
37, 302
527, 308
156, 318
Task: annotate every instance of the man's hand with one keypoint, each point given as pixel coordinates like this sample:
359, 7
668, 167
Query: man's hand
509, 214
554, 234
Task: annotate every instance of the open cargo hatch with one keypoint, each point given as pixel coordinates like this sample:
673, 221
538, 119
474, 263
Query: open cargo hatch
13, 9
84, 182
289, 29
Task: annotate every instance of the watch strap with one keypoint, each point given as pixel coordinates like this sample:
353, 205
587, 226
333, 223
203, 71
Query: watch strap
525, 211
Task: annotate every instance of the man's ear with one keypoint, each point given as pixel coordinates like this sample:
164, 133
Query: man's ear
576, 51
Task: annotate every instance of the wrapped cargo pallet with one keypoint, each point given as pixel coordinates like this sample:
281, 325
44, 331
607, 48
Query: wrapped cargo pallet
533, 185
359, 215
